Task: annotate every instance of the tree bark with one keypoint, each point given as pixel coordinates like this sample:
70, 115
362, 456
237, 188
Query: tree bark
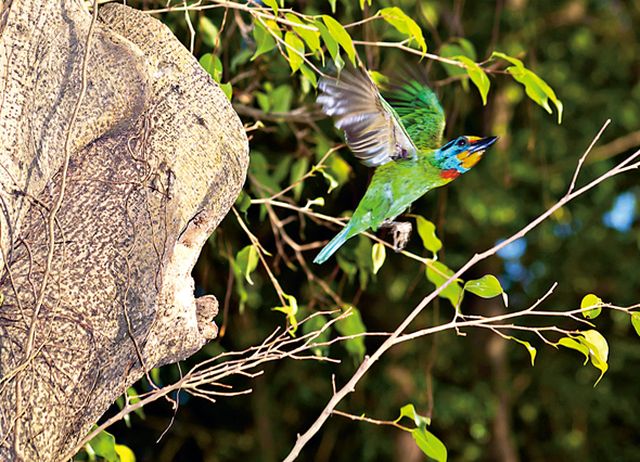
154, 160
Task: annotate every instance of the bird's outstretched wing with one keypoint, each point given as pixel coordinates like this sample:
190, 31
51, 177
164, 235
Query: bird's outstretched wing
419, 111
372, 128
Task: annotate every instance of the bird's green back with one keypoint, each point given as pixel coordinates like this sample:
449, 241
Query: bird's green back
420, 113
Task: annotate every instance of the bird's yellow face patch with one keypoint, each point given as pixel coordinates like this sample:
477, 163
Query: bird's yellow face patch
467, 159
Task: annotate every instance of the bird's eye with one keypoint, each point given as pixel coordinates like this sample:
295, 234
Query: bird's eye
461, 142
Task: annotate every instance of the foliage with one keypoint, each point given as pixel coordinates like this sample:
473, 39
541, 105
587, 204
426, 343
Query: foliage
562, 56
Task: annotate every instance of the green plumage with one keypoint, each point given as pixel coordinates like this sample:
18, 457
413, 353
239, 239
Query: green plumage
401, 136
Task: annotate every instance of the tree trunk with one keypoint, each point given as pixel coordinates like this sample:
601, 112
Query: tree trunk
112, 177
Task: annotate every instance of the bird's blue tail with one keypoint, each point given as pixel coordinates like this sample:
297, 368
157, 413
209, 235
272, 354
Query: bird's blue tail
333, 245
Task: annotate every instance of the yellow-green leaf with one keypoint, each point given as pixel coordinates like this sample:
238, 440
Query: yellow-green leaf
532, 351
429, 444
409, 411
536, 88
331, 44
298, 170
427, 232
598, 350
290, 310
311, 37
404, 24
438, 274
295, 50
227, 89
478, 77
340, 34
593, 301
309, 75
212, 64
125, 453
273, 4
104, 446
569, 342
264, 40
208, 31
378, 254
487, 286
635, 321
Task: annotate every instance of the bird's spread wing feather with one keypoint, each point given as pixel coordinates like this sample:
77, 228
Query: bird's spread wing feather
372, 129
420, 113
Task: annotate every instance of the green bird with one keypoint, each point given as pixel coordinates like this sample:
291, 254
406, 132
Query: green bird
402, 137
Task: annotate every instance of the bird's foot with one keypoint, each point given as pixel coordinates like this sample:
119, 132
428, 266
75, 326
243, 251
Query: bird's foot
401, 233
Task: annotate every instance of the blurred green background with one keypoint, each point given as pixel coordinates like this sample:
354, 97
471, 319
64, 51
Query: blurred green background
486, 401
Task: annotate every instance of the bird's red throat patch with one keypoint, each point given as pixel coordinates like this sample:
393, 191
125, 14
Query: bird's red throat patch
450, 174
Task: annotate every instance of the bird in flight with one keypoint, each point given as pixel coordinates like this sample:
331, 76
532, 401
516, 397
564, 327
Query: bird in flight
400, 135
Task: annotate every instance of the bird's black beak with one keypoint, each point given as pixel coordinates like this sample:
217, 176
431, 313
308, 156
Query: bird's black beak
482, 144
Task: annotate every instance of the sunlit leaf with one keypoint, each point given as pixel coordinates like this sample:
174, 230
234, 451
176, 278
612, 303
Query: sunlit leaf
295, 50
427, 232
409, 411
311, 37
478, 77
635, 321
125, 453
404, 24
350, 326
569, 342
487, 286
429, 444
290, 310
331, 44
309, 75
532, 351
340, 34
227, 89
104, 446
273, 4
264, 40
378, 254
438, 274
598, 350
594, 301
536, 88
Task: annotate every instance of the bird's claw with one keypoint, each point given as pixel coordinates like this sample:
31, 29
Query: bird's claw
401, 233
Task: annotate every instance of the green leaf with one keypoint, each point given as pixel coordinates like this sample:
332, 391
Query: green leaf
569, 342
298, 170
427, 232
532, 351
125, 453
429, 444
208, 31
487, 286
438, 274
295, 50
340, 34
243, 202
247, 261
227, 89
478, 77
273, 4
635, 322
404, 24
331, 44
311, 37
598, 351
378, 254
591, 300
290, 310
212, 64
536, 88
264, 40
409, 411
315, 324
349, 326
104, 446
309, 75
